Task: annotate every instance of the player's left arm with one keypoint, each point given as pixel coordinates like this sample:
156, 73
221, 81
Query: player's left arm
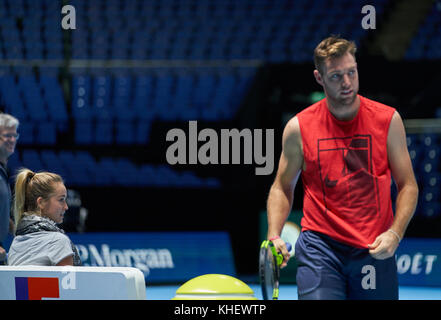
386, 243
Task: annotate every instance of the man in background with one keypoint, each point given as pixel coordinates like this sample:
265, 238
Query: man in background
8, 141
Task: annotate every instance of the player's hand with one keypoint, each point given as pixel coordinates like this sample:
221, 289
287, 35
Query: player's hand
384, 246
2, 254
280, 246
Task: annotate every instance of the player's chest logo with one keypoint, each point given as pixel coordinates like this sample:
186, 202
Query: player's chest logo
345, 166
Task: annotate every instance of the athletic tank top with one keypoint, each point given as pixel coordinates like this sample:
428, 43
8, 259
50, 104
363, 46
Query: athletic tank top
347, 181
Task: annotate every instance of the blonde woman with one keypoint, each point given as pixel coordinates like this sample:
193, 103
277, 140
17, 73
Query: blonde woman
40, 204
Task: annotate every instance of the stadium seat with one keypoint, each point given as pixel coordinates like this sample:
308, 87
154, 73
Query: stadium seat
46, 133
103, 132
83, 132
31, 160
125, 132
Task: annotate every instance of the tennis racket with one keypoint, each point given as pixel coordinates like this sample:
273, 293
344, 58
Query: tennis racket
269, 269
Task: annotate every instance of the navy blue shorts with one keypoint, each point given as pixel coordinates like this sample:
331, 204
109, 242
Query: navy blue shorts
330, 270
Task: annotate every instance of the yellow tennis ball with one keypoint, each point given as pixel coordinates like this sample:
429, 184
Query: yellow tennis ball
214, 287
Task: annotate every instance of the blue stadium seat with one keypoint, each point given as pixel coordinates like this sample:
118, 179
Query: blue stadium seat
188, 179
101, 93
53, 96
166, 176
431, 180
103, 132
81, 101
84, 167
122, 99
46, 133
51, 161
432, 153
11, 98
66, 156
142, 132
428, 202
84, 132
429, 139
14, 163
428, 166
31, 160
431, 210
125, 132
426, 42
147, 175
416, 153
27, 132
127, 173
106, 172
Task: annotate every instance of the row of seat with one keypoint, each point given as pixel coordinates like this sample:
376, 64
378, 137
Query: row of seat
426, 139
29, 99
429, 204
112, 133
426, 44
86, 133
31, 30
272, 37
209, 96
271, 31
425, 151
109, 109
81, 169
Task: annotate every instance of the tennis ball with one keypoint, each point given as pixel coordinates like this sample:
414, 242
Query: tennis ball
214, 287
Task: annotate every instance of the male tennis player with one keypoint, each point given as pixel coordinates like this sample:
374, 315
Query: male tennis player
346, 148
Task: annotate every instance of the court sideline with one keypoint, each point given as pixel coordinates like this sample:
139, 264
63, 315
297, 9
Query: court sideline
289, 292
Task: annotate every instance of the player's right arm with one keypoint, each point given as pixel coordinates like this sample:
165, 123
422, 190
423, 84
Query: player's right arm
281, 194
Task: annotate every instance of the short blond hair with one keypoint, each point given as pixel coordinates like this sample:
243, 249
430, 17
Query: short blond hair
332, 47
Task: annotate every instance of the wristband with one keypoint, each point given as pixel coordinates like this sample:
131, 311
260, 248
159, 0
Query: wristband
274, 238
396, 234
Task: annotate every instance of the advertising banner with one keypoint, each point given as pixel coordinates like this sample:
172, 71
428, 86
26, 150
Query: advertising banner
419, 262
163, 257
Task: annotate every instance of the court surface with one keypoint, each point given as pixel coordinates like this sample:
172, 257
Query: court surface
289, 292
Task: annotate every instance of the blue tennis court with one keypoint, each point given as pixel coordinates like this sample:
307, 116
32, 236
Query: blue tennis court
289, 292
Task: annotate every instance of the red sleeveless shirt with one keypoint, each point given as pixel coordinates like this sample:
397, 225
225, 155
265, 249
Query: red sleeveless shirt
347, 181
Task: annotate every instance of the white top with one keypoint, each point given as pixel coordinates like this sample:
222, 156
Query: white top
43, 248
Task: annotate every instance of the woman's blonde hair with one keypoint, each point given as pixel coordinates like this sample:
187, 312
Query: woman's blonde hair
332, 47
29, 186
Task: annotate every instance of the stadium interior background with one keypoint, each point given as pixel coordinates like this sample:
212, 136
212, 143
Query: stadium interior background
95, 103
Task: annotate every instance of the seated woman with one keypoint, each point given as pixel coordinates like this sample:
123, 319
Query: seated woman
39, 204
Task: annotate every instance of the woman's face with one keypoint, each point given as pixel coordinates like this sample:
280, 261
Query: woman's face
54, 207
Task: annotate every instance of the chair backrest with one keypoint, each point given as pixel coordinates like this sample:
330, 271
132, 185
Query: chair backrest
71, 283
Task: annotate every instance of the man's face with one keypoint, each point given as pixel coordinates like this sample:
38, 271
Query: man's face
340, 80
8, 140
